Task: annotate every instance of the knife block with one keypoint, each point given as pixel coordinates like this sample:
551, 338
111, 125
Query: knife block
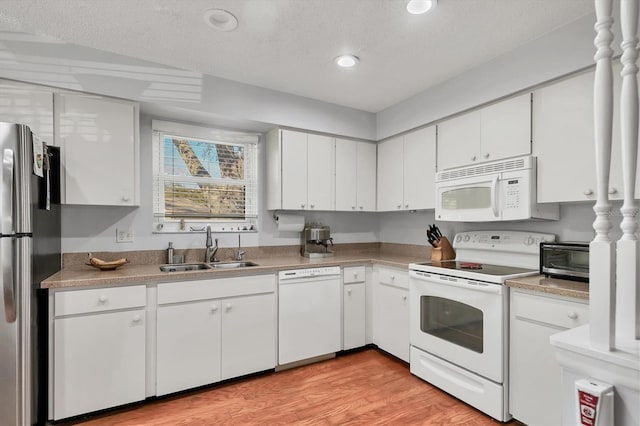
442, 251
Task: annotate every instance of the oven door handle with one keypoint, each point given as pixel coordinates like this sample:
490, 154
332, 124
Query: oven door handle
454, 282
494, 196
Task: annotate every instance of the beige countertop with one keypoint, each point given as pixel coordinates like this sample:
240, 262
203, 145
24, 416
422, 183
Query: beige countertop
84, 275
554, 286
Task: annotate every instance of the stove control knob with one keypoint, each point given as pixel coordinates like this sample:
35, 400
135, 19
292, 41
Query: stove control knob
458, 238
529, 241
467, 238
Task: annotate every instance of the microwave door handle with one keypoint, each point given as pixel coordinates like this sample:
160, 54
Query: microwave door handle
494, 196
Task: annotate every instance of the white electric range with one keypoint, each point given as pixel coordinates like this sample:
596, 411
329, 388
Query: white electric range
459, 315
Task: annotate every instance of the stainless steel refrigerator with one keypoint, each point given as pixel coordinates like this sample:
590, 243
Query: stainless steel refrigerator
29, 252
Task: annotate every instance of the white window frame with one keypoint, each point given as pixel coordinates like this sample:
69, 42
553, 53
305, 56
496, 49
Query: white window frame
167, 225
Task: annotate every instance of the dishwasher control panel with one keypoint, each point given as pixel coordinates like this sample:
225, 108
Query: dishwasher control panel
309, 272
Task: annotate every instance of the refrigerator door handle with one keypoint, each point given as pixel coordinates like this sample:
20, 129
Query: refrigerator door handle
7, 197
8, 256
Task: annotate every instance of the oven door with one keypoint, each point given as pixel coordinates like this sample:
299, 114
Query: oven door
475, 199
460, 321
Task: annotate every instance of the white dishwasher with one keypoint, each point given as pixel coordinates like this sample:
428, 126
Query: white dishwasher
309, 313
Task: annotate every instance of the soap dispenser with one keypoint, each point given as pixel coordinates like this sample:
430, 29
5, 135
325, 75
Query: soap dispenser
170, 253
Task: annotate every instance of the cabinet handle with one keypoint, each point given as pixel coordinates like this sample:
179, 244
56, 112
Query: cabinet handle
102, 299
399, 206
393, 277
302, 205
361, 207
137, 318
228, 307
486, 155
126, 199
353, 207
214, 308
311, 205
572, 314
588, 191
349, 291
355, 275
473, 158
406, 206
404, 297
612, 191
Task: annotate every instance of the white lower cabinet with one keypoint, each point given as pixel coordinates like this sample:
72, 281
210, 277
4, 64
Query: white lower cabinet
535, 377
216, 329
354, 308
391, 312
98, 349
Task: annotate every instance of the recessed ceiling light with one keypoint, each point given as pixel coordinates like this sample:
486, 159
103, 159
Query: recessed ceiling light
220, 19
347, 61
417, 7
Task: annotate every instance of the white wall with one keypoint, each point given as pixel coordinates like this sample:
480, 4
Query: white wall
88, 228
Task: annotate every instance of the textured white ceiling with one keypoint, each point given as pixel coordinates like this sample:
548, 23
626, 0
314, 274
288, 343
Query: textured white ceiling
289, 45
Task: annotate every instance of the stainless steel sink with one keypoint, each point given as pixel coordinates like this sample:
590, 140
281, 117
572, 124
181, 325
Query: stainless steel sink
182, 267
232, 265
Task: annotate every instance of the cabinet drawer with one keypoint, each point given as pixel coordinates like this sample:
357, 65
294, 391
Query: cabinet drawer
99, 300
394, 277
549, 310
354, 274
187, 291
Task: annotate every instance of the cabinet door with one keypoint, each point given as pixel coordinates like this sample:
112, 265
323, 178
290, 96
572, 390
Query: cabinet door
99, 362
391, 320
534, 373
347, 183
390, 174
420, 169
30, 105
506, 129
98, 140
353, 314
459, 141
294, 170
248, 335
366, 166
188, 346
321, 172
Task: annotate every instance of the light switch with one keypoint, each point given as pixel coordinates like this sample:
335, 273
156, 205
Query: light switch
124, 235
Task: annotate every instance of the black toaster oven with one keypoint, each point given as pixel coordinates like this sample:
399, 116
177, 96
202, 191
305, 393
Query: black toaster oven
569, 261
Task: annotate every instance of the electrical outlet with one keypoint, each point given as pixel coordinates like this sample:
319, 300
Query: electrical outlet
124, 235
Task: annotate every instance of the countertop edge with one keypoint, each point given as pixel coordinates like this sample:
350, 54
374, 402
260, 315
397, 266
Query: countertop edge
552, 286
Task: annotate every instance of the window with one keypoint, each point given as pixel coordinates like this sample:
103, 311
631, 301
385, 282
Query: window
203, 176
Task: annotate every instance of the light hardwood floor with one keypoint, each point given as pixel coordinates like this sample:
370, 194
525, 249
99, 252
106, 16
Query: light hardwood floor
362, 388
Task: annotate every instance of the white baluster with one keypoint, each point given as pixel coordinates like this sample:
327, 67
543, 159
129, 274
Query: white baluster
601, 252
627, 326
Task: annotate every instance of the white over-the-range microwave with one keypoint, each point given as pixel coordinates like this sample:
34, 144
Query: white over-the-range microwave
490, 192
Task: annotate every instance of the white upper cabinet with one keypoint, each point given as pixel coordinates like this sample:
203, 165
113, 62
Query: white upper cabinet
420, 169
563, 140
355, 175
501, 130
406, 171
98, 139
301, 171
390, 174
30, 105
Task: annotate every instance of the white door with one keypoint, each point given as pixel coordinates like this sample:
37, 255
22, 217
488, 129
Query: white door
366, 185
97, 138
459, 141
390, 174
391, 320
188, 345
506, 129
346, 174
294, 170
99, 362
248, 335
321, 172
460, 322
353, 327
420, 169
309, 318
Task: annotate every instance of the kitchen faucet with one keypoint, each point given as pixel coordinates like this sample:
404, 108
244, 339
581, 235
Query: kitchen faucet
240, 251
210, 251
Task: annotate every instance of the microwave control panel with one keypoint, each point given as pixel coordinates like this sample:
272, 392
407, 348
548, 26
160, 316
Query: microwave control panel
512, 194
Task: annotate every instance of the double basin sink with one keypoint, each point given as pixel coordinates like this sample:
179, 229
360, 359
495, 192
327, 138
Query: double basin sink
182, 267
